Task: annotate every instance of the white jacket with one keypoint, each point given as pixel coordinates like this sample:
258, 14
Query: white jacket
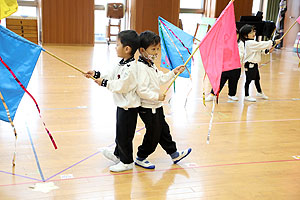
254, 49
149, 81
122, 82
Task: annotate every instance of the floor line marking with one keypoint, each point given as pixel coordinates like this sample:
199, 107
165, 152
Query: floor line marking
163, 170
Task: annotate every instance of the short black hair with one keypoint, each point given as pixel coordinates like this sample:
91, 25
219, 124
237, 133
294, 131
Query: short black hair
148, 38
244, 31
130, 38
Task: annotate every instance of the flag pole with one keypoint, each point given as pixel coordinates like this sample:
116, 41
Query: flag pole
285, 34
67, 63
186, 62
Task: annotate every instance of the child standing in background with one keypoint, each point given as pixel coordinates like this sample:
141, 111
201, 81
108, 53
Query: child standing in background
151, 111
252, 57
233, 77
121, 81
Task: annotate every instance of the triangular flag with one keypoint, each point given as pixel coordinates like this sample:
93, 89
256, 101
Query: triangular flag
219, 48
298, 19
7, 7
176, 46
21, 56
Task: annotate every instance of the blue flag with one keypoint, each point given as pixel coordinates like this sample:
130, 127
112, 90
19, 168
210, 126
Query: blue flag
176, 46
20, 55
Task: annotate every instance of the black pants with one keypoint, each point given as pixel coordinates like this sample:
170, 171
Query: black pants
233, 77
157, 132
252, 74
126, 125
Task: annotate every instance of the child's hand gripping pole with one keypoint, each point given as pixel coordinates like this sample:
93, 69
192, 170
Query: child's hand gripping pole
67, 63
186, 62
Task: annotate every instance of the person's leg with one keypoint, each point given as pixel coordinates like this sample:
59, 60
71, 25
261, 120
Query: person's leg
224, 78
167, 142
126, 126
233, 81
257, 80
153, 131
247, 83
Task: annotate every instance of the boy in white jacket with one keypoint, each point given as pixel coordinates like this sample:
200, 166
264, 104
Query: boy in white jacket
122, 82
151, 110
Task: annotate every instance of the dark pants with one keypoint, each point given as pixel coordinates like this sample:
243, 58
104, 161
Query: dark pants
252, 74
233, 77
157, 132
126, 125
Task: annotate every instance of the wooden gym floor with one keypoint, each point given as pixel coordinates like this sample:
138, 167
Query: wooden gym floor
252, 153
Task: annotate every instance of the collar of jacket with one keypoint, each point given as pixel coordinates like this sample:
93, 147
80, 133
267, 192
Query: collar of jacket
145, 61
124, 62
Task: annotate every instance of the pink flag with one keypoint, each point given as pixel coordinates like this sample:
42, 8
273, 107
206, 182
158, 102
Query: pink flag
219, 49
298, 19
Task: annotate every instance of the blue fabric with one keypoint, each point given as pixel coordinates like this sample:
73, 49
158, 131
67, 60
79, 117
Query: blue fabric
21, 56
170, 57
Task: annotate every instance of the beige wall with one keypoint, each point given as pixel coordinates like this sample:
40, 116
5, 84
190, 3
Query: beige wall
215, 7
144, 13
68, 21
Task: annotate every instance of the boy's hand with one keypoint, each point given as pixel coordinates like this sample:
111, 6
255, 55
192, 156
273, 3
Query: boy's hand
179, 69
277, 41
89, 74
161, 97
99, 81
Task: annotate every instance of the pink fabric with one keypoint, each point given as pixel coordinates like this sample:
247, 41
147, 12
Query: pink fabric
219, 49
298, 19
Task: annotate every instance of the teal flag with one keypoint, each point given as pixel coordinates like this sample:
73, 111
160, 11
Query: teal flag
176, 46
20, 55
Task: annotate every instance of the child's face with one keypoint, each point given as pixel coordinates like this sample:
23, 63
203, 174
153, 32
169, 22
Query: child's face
251, 35
123, 52
151, 52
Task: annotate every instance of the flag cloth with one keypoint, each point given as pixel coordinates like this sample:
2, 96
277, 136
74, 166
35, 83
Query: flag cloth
7, 7
176, 46
219, 48
21, 56
298, 19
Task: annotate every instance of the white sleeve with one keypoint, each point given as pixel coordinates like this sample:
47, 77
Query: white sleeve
165, 77
143, 90
258, 46
241, 51
126, 83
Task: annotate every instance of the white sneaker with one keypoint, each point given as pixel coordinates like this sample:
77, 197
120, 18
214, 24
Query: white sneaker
233, 98
182, 155
262, 95
248, 98
210, 97
110, 155
120, 167
145, 164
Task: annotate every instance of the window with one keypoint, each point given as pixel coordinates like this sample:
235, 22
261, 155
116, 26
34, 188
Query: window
257, 6
191, 12
26, 8
101, 21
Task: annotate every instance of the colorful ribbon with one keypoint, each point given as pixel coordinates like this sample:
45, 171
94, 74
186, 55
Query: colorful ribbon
37, 106
12, 125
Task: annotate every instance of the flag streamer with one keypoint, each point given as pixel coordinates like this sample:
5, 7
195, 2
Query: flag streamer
37, 106
13, 127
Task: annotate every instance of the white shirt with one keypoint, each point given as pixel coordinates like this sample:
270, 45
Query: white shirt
122, 82
254, 49
149, 81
